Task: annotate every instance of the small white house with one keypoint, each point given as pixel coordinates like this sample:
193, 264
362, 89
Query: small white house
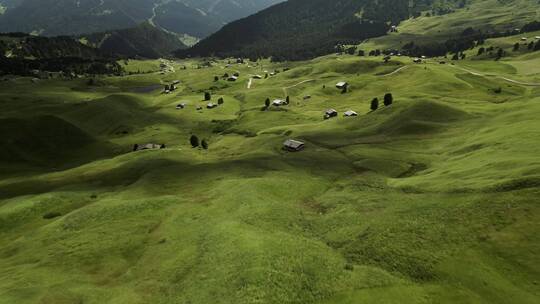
342, 84
232, 78
523, 38
211, 105
257, 77
293, 145
180, 106
279, 102
330, 113
350, 113
537, 37
307, 97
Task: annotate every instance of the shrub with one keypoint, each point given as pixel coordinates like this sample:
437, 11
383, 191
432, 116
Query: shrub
194, 140
388, 99
207, 96
220, 101
51, 215
374, 104
204, 144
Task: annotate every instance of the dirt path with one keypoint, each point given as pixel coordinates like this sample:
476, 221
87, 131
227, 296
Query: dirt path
250, 81
295, 85
396, 71
497, 76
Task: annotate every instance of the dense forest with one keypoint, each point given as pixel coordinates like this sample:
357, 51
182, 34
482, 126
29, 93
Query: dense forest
304, 29
22, 54
468, 39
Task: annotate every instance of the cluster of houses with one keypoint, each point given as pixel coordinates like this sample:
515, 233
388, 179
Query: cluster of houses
165, 66
290, 145
525, 38
150, 146
171, 87
209, 105
232, 78
419, 59
331, 113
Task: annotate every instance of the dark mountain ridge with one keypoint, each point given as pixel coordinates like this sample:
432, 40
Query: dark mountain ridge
304, 29
197, 18
145, 41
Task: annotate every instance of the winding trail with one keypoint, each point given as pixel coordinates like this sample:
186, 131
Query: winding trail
394, 72
496, 76
295, 85
475, 73
249, 83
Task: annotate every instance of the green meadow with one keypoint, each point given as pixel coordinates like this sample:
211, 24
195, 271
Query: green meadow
433, 199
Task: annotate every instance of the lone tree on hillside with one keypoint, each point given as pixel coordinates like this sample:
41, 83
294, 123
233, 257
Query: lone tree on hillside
267, 102
216, 78
207, 96
194, 140
388, 99
481, 51
500, 54
516, 47
374, 104
204, 144
220, 101
287, 100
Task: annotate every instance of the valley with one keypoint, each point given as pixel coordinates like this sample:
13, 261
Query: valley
432, 199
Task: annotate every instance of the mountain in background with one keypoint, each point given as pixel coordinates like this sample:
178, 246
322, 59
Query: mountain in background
144, 40
304, 29
197, 18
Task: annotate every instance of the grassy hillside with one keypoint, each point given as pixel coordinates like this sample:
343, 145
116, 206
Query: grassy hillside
433, 199
483, 15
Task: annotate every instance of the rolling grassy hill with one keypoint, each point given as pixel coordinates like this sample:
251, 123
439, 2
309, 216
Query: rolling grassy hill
433, 199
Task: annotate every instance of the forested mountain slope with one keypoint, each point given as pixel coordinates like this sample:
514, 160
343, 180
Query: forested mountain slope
303, 29
144, 40
68, 17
